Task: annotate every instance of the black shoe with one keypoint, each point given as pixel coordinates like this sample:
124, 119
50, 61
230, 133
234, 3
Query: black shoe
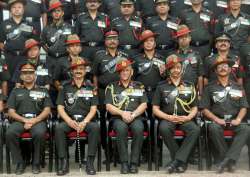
90, 169
171, 168
62, 167
181, 168
20, 167
231, 166
36, 169
124, 168
222, 166
133, 168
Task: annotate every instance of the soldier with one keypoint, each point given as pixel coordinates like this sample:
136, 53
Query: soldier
90, 27
13, 33
222, 44
129, 28
54, 35
43, 75
77, 105
126, 101
200, 21
224, 103
38, 102
145, 8
150, 66
192, 63
235, 23
62, 74
35, 12
175, 104
164, 25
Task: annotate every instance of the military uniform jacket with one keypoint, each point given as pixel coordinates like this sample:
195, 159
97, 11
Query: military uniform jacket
245, 59
14, 35
164, 28
77, 101
238, 28
129, 31
4, 75
192, 65
91, 30
104, 67
147, 70
25, 101
167, 95
127, 99
224, 101
201, 24
237, 69
54, 38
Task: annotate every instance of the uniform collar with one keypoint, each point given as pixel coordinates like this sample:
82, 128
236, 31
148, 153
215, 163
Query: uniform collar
169, 81
129, 84
22, 20
73, 83
154, 56
116, 53
185, 51
229, 83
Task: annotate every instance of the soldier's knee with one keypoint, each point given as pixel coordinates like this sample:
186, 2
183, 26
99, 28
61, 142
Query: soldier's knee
165, 130
213, 128
94, 127
10, 134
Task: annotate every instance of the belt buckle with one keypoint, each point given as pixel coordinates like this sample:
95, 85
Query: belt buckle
197, 43
163, 47
18, 53
77, 117
92, 44
149, 89
29, 115
57, 54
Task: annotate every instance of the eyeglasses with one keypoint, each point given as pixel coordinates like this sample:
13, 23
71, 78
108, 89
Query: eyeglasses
222, 66
27, 72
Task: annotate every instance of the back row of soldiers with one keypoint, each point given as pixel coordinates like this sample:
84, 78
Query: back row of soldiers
105, 42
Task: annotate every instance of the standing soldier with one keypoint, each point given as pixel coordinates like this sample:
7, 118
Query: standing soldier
222, 44
35, 11
126, 101
224, 103
164, 25
77, 105
175, 104
200, 21
37, 101
62, 74
43, 75
54, 35
150, 66
13, 34
129, 28
192, 63
235, 23
90, 27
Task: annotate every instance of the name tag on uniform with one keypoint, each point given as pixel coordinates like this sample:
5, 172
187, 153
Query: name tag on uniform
37, 94
222, 4
188, 2
193, 60
67, 31
185, 91
172, 25
26, 28
235, 93
42, 72
246, 2
37, 1
135, 24
101, 24
134, 92
68, 0
244, 21
205, 17
234, 25
84, 93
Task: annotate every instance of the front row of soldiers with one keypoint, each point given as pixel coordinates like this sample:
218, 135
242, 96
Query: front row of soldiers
175, 104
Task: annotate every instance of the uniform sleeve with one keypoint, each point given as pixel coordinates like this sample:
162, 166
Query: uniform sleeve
201, 71
205, 102
11, 103
4, 75
157, 97
2, 33
95, 65
47, 101
144, 98
60, 98
95, 101
243, 100
108, 95
219, 26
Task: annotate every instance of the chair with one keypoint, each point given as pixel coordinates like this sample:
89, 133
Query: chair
178, 135
26, 136
83, 137
112, 137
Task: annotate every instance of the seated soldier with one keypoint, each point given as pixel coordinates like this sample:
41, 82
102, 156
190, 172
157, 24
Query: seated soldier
225, 104
126, 101
175, 104
77, 105
29, 107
